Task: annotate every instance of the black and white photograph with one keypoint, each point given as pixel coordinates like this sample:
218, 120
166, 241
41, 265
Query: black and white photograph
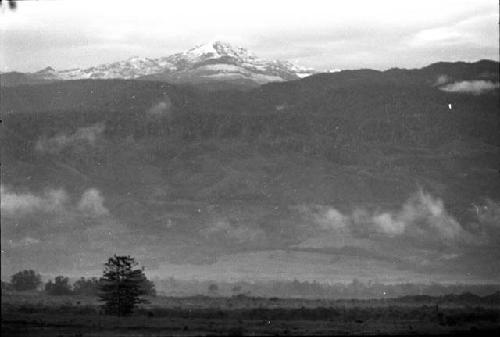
250, 168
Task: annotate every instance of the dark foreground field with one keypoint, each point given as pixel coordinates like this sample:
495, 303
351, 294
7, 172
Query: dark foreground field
40, 315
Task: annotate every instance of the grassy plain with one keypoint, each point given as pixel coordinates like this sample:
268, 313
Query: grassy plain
37, 314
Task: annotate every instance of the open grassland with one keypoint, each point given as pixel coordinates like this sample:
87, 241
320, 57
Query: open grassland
36, 314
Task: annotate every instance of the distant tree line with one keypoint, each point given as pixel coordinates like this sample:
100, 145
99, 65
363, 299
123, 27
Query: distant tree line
29, 280
121, 287
313, 289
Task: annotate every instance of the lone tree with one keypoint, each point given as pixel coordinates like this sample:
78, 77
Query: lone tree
122, 286
26, 280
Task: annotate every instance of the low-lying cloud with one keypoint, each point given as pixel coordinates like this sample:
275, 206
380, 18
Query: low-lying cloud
52, 228
92, 202
85, 135
24, 242
441, 80
163, 108
471, 87
331, 218
389, 224
422, 216
51, 200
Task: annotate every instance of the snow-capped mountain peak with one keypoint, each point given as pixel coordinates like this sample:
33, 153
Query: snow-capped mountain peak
218, 47
202, 49
135, 59
47, 69
216, 50
213, 61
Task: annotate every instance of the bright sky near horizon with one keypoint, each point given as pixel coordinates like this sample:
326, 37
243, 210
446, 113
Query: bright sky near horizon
318, 33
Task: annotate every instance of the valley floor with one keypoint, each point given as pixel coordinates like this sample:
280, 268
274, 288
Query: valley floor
206, 316
82, 325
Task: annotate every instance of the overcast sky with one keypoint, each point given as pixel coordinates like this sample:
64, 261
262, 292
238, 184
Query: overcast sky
318, 33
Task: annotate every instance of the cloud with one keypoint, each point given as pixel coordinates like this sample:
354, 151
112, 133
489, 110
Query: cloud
423, 213
70, 35
13, 203
84, 135
471, 87
92, 203
441, 35
420, 235
162, 108
326, 217
50, 230
332, 219
442, 79
389, 224
24, 242
422, 217
51, 201
472, 30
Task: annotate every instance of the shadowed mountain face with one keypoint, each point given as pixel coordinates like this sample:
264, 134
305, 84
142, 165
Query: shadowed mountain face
376, 175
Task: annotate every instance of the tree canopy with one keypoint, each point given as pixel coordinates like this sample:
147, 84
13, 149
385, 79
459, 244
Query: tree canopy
26, 280
60, 286
123, 285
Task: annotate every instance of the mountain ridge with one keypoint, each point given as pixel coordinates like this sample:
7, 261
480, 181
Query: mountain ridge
312, 172
215, 61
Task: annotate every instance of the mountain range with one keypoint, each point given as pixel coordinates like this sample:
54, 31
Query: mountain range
215, 64
384, 175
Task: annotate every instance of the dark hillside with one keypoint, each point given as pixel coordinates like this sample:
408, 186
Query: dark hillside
162, 154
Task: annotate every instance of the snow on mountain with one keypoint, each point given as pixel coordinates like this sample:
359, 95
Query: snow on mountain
131, 68
212, 61
47, 73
